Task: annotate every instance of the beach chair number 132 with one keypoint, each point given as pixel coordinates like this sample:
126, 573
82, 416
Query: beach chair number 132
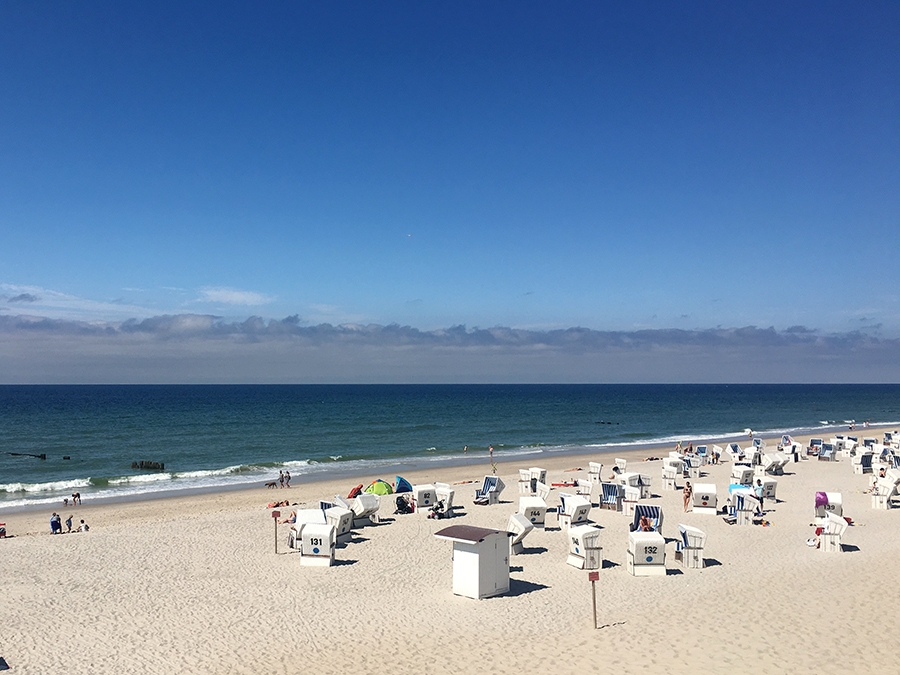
650, 550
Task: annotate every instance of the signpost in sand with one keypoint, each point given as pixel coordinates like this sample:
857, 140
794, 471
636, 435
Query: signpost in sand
277, 514
594, 577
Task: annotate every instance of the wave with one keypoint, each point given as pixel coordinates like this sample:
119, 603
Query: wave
18, 495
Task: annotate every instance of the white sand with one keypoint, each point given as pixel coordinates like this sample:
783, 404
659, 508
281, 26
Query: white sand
192, 585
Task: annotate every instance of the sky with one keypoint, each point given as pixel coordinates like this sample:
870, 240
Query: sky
449, 192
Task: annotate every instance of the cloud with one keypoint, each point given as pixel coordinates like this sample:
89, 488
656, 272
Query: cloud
56, 305
24, 297
207, 348
233, 296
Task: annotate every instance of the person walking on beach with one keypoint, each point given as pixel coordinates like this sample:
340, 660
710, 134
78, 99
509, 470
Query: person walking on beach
287, 479
281, 478
760, 494
688, 491
68, 524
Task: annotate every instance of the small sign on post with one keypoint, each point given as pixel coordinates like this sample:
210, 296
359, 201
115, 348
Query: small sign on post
277, 514
594, 577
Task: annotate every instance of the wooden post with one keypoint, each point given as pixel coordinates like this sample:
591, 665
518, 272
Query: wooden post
594, 577
275, 516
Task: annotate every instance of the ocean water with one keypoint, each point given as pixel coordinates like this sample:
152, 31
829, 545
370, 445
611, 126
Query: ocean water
223, 436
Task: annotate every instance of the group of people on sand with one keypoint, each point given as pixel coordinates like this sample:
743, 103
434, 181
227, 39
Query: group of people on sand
56, 526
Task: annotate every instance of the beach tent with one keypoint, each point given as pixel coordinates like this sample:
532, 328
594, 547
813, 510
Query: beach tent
379, 487
402, 485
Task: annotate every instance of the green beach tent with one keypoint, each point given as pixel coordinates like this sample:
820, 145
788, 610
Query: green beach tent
379, 487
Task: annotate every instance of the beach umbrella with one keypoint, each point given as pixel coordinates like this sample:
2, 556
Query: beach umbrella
379, 487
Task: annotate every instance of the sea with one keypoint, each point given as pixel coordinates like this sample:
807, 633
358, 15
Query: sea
56, 440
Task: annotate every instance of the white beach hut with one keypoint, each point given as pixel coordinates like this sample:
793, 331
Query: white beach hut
480, 560
585, 551
646, 555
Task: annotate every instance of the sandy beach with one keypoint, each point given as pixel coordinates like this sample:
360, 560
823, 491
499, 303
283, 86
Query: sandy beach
193, 585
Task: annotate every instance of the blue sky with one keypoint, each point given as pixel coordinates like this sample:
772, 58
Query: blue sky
655, 169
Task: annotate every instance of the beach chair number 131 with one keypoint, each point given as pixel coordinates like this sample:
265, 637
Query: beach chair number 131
314, 541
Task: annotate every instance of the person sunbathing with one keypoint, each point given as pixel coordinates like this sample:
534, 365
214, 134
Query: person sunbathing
290, 519
645, 524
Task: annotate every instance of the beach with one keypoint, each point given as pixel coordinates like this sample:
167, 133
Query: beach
193, 584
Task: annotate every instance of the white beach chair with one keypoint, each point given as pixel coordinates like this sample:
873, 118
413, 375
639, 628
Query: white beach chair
650, 511
741, 475
533, 509
444, 494
574, 510
611, 496
885, 489
538, 474
525, 484
585, 551
744, 505
342, 521
304, 517
669, 475
595, 471
832, 503
490, 491
424, 497
543, 491
621, 464
833, 528
365, 508
704, 499
317, 544
518, 526
646, 554
691, 546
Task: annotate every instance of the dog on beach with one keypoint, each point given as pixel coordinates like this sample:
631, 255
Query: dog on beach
273, 484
